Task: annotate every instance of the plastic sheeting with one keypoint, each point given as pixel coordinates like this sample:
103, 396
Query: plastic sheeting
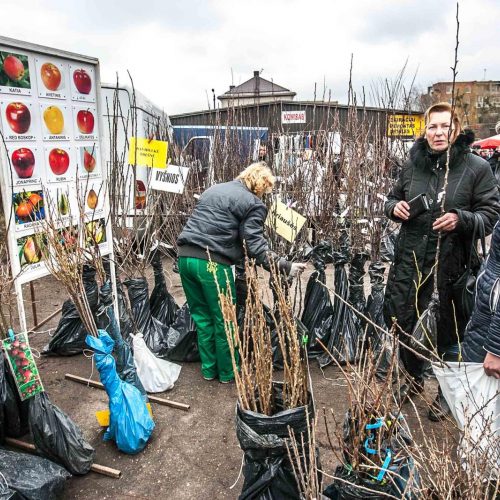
130, 424
162, 304
57, 437
267, 471
157, 375
35, 478
317, 315
154, 332
69, 337
473, 398
182, 339
126, 325
106, 320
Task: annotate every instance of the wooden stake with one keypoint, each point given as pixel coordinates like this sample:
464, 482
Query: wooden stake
33, 302
46, 320
100, 469
153, 399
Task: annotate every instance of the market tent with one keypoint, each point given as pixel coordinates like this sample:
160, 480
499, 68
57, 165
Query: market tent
488, 143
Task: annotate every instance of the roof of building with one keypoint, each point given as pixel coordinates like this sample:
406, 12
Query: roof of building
256, 86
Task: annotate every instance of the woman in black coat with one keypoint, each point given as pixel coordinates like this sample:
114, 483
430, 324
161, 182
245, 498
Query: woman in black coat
471, 191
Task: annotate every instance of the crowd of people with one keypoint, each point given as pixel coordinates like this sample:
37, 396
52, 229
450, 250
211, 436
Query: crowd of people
445, 198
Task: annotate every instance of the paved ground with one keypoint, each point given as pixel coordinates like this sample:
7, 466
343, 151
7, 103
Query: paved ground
192, 455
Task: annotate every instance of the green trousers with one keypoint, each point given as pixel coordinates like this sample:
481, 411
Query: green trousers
199, 279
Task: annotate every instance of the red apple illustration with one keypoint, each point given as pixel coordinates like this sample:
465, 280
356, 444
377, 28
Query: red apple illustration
18, 117
58, 161
85, 121
51, 76
13, 68
88, 161
82, 81
23, 161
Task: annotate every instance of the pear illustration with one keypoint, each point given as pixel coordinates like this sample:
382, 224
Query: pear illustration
92, 199
31, 251
63, 204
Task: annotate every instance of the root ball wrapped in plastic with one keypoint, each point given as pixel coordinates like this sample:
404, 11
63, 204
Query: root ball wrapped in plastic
162, 304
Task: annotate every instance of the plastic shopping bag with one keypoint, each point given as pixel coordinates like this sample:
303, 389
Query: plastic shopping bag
474, 399
156, 375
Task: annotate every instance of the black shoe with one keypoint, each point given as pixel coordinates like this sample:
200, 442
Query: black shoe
409, 390
439, 409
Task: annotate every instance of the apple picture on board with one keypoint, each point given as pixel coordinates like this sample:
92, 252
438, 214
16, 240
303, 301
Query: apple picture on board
58, 161
14, 68
85, 121
51, 76
89, 161
23, 161
18, 117
82, 81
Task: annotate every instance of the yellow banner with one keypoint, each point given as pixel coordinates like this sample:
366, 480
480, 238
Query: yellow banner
147, 153
405, 125
285, 221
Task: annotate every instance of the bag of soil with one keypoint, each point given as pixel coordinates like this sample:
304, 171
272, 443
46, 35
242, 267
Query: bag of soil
69, 337
106, 321
57, 437
384, 441
161, 302
182, 340
317, 315
268, 473
156, 375
130, 424
34, 478
154, 332
15, 411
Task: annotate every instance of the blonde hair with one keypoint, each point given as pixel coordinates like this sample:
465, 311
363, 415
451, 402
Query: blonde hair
258, 178
440, 107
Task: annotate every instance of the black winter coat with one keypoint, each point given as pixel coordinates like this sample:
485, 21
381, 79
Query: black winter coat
471, 188
226, 217
483, 331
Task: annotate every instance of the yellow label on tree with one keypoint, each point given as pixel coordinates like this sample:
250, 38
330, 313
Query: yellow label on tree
147, 153
284, 220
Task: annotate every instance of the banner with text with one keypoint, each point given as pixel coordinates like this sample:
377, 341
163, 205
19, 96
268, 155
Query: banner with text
284, 220
171, 180
147, 153
293, 116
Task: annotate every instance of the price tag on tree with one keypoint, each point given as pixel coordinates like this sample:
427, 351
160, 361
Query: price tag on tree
23, 366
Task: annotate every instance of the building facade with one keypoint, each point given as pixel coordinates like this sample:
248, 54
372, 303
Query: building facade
478, 103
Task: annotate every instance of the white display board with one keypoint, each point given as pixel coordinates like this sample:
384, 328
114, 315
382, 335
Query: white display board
51, 123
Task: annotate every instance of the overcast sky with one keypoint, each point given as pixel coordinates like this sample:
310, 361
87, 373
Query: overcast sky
178, 50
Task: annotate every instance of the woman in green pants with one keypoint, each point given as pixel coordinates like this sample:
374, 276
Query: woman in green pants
227, 218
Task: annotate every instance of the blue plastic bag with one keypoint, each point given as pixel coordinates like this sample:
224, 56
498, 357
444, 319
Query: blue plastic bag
130, 424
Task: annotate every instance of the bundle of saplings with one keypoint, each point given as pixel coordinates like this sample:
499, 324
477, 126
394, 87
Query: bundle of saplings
267, 411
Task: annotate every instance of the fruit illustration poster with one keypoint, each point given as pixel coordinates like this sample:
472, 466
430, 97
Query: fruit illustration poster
31, 251
23, 366
60, 162
56, 122
19, 120
85, 123
28, 208
15, 73
27, 164
89, 162
52, 78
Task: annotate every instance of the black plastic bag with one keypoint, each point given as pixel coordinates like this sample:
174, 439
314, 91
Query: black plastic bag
69, 337
153, 331
388, 243
57, 437
35, 478
126, 325
162, 304
15, 411
182, 339
268, 473
106, 321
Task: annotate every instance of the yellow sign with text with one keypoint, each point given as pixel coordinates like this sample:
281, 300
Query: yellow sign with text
147, 153
284, 220
405, 125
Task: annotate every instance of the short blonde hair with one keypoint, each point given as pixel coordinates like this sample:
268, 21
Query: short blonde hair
258, 178
439, 108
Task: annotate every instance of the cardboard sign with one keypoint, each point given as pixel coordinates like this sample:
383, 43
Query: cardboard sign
405, 125
172, 179
146, 153
293, 116
285, 221
23, 366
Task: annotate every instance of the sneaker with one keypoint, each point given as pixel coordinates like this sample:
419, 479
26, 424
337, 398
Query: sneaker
227, 381
439, 409
209, 379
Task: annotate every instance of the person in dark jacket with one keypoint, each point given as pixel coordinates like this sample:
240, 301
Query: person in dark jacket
471, 191
227, 221
482, 337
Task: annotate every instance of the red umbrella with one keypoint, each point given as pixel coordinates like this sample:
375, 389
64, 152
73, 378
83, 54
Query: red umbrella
488, 143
